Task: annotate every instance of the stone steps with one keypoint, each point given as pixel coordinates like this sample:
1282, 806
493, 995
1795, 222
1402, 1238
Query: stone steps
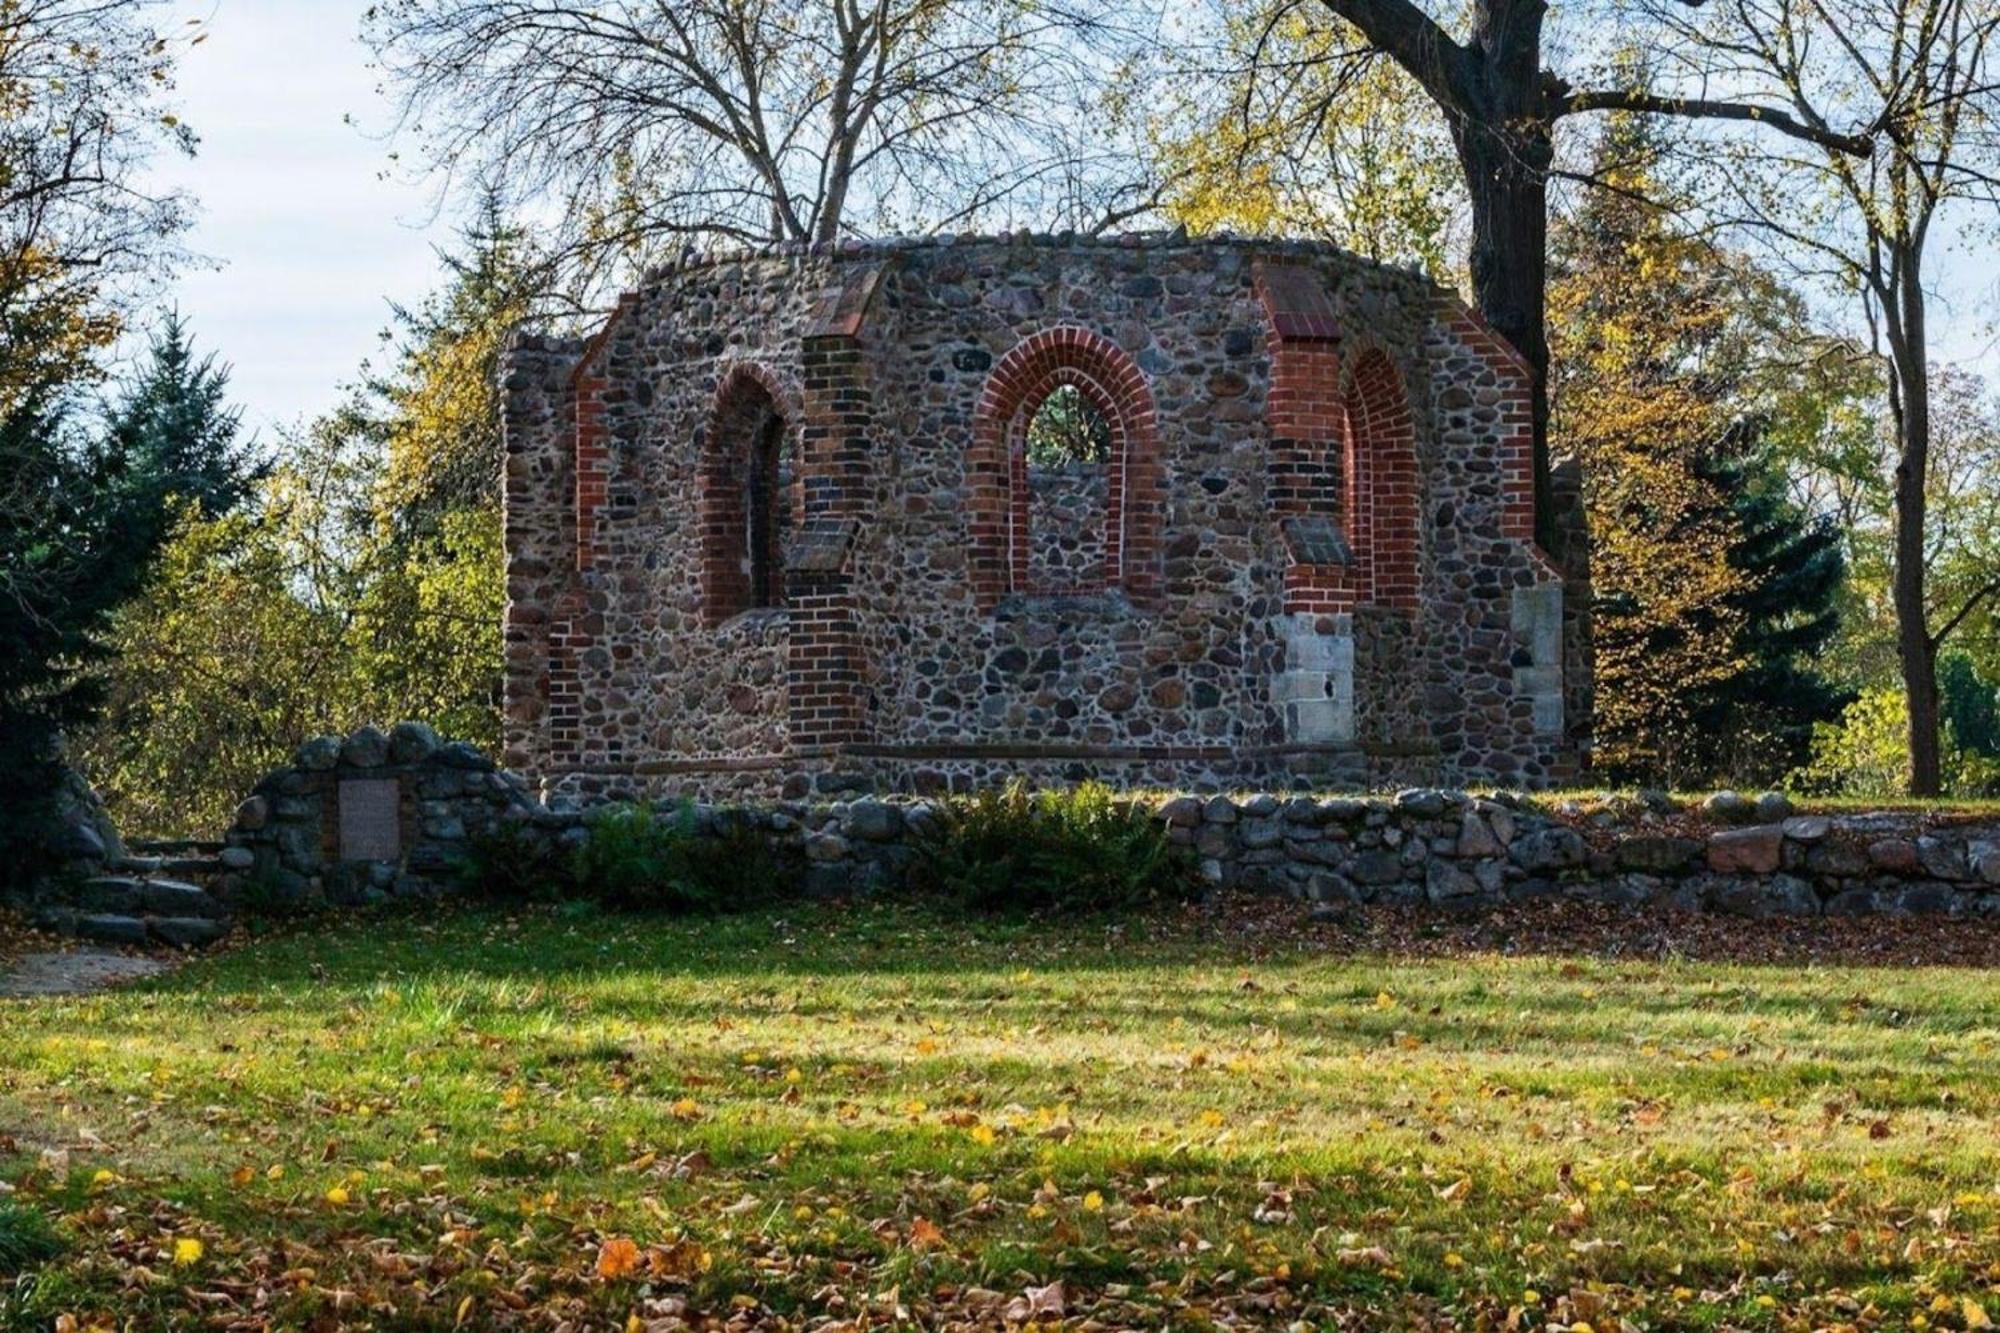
177, 867
140, 909
175, 846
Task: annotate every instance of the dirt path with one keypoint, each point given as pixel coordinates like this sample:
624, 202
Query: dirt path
73, 972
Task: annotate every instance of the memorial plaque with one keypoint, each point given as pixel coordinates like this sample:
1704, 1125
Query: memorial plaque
371, 821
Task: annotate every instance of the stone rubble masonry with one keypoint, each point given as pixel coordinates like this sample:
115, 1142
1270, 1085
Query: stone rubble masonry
1308, 561
284, 847
1444, 848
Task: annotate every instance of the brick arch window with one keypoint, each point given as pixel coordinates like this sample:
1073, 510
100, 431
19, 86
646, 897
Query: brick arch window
749, 483
1090, 377
1380, 472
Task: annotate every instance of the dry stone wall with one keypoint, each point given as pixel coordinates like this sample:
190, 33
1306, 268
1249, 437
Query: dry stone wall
1307, 562
378, 816
365, 818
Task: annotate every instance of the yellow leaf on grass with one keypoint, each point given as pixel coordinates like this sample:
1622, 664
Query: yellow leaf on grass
685, 1109
618, 1256
1093, 1202
337, 1196
1975, 1314
187, 1250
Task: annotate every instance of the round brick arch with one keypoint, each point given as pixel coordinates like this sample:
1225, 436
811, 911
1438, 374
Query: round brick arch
1382, 480
997, 469
745, 401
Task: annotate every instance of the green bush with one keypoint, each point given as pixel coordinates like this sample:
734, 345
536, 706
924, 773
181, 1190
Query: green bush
1079, 850
27, 1238
513, 863
636, 859
633, 860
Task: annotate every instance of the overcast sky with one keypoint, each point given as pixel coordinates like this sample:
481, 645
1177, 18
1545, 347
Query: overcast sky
312, 241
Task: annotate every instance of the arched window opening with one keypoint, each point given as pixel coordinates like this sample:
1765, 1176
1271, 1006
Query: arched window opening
747, 501
1067, 442
1068, 429
1064, 473
769, 516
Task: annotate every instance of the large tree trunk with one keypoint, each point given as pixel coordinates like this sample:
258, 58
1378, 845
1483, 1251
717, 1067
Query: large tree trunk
1506, 173
1916, 650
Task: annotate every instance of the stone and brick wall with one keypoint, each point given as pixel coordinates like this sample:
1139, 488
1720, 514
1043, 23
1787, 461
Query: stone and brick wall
1308, 559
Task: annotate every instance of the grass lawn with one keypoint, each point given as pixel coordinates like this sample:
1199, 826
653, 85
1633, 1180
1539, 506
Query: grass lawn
846, 1116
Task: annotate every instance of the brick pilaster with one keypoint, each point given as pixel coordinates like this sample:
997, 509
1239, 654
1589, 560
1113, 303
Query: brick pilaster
823, 664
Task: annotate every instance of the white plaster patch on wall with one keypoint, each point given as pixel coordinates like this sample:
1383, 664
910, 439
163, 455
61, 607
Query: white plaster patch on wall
1538, 625
1316, 688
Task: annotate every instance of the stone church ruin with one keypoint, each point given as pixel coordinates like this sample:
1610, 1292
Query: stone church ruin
911, 515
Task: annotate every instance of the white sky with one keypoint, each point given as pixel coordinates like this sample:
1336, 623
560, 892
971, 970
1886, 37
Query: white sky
314, 232
312, 242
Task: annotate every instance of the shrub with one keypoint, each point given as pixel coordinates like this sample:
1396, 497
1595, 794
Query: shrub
635, 859
1081, 850
512, 863
27, 1238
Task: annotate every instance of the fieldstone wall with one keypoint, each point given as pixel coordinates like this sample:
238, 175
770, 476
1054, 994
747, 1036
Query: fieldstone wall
364, 818
1308, 560
1448, 849
371, 817
1066, 513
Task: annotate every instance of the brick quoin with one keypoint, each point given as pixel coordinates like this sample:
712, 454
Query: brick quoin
1343, 445
1102, 372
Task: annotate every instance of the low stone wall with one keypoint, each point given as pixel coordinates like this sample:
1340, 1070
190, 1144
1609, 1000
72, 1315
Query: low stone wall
366, 817
1450, 849
374, 816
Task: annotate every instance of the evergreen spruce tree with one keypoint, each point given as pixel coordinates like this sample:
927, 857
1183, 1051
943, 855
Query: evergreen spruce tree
1758, 721
1971, 707
83, 516
173, 438
1715, 590
72, 547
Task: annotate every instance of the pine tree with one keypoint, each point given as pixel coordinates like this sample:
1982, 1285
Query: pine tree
173, 436
363, 582
1757, 723
1635, 308
73, 546
435, 412
1971, 707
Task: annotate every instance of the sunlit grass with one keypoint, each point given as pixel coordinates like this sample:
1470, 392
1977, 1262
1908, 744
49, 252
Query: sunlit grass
870, 1098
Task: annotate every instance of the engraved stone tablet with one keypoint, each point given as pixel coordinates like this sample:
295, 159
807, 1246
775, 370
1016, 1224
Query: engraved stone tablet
370, 821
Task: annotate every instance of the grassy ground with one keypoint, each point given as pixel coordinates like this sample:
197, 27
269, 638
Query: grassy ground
846, 1115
